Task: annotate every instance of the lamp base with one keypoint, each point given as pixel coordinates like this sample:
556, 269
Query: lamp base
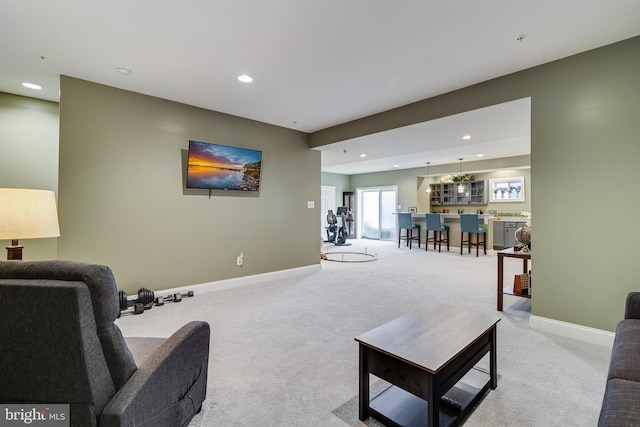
14, 252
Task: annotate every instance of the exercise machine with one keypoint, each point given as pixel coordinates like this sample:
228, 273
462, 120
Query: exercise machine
337, 234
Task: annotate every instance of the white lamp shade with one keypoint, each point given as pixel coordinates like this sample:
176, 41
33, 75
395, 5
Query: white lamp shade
28, 214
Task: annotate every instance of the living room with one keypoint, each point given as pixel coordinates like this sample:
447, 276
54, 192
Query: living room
116, 160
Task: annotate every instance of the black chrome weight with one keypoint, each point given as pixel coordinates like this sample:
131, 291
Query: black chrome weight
144, 301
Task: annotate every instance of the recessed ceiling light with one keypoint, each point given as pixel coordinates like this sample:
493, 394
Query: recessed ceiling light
480, 155
32, 86
124, 71
466, 137
245, 78
363, 155
396, 166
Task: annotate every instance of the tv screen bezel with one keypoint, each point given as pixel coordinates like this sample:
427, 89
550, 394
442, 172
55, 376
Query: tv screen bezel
227, 150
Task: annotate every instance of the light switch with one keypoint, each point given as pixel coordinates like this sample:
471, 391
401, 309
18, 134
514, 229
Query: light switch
310, 204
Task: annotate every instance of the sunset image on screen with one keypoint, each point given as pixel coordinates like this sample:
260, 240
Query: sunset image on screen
221, 167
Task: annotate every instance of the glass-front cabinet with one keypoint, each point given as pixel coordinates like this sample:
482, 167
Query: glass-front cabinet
459, 193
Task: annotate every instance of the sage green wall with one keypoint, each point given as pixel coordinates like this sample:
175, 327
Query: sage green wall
123, 201
405, 179
29, 157
584, 154
341, 182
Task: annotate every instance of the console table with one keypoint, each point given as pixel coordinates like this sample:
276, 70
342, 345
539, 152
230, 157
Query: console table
510, 253
429, 356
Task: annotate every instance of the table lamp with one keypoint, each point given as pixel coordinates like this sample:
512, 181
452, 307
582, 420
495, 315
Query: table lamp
26, 214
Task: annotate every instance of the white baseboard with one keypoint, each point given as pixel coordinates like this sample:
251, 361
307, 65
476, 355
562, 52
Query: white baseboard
571, 330
242, 281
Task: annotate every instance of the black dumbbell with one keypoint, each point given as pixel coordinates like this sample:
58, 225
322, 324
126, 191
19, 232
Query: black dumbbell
138, 308
177, 297
146, 297
145, 300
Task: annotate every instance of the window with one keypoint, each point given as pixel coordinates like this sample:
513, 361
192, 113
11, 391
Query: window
507, 189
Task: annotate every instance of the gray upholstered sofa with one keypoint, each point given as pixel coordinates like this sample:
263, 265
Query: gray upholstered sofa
60, 345
621, 404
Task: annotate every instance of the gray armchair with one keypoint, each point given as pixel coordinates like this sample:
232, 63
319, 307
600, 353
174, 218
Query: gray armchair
621, 402
59, 344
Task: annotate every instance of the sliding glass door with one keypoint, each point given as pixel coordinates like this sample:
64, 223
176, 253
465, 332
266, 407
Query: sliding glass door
377, 207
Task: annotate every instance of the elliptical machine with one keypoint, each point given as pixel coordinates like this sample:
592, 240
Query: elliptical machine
337, 234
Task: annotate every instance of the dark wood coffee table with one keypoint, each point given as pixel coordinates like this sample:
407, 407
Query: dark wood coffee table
429, 357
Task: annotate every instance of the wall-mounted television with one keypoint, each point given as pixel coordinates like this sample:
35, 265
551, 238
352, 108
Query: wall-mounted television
221, 167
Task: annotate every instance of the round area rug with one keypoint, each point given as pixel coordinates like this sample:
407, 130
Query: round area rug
349, 256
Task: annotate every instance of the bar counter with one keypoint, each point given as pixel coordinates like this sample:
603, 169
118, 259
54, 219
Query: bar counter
453, 221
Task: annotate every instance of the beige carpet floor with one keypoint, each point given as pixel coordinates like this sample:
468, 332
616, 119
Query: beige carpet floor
283, 350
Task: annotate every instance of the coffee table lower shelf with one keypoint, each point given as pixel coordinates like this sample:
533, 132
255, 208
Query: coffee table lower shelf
399, 408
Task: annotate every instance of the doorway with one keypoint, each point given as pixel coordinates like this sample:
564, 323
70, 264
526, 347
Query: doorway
377, 208
327, 202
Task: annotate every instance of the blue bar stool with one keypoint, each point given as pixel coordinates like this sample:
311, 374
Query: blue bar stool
469, 225
434, 223
406, 223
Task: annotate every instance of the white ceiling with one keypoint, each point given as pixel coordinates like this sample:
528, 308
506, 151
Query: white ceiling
315, 64
501, 130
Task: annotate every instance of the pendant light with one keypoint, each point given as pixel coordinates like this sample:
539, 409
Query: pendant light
428, 190
460, 186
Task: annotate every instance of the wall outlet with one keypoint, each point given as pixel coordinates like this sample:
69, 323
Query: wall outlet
240, 260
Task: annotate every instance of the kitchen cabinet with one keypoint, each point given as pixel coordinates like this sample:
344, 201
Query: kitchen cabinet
498, 235
504, 233
447, 193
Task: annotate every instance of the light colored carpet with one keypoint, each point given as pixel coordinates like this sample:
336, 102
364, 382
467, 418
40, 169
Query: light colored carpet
283, 351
